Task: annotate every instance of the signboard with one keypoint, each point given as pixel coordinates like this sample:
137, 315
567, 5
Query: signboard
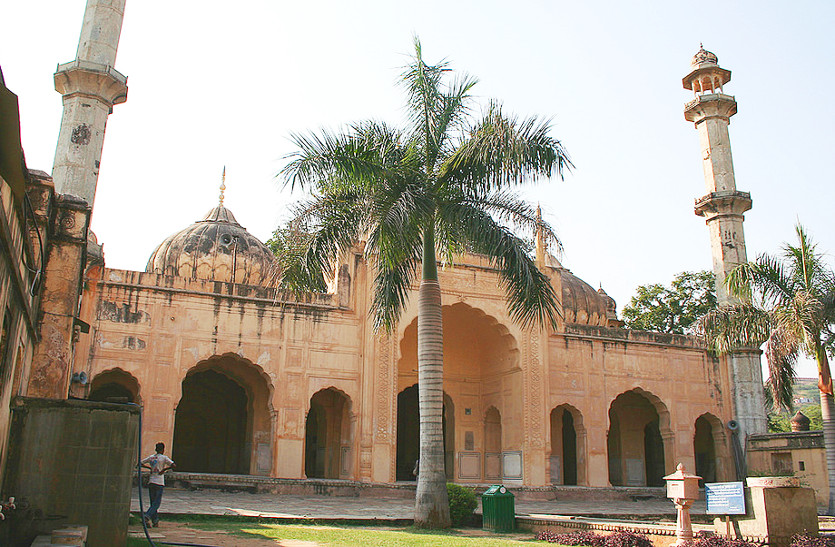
725, 498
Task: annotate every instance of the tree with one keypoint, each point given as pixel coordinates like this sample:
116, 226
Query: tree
438, 188
794, 312
673, 310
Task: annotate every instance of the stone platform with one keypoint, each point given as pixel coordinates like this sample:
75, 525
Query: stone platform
322, 499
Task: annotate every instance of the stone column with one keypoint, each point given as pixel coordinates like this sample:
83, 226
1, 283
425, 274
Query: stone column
53, 357
90, 86
722, 208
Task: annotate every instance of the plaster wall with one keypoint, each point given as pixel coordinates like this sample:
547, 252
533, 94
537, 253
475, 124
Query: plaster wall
157, 329
800, 454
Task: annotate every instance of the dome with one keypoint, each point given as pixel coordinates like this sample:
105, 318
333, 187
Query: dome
216, 248
800, 422
704, 57
581, 303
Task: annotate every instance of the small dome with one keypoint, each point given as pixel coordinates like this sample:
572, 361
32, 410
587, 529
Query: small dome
703, 57
581, 303
215, 248
800, 422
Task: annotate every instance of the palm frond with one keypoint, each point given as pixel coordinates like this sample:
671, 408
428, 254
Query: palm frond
521, 216
781, 355
330, 225
734, 327
356, 155
424, 96
531, 297
398, 214
501, 151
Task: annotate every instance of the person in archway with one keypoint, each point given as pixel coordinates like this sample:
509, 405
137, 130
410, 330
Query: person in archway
158, 463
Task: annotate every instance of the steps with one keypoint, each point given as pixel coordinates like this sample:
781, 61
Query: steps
70, 536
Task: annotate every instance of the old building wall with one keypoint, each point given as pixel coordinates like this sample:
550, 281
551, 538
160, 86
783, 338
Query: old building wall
800, 454
160, 329
502, 382
589, 367
18, 305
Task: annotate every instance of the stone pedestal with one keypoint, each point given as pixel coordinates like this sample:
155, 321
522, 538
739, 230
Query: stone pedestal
777, 509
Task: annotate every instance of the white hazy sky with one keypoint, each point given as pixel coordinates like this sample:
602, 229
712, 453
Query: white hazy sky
226, 83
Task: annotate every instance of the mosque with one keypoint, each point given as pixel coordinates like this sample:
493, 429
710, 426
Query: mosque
242, 379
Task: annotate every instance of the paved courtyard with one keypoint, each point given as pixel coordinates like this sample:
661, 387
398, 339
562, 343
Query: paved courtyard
217, 502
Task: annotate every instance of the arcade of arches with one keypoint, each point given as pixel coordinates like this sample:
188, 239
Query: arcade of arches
292, 396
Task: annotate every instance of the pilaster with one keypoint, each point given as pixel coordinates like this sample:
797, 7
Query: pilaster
52, 360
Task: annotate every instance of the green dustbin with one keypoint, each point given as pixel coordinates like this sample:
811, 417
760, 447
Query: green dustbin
498, 509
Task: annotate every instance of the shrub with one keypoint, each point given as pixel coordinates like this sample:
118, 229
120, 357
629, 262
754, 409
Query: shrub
805, 540
580, 537
703, 539
623, 538
462, 503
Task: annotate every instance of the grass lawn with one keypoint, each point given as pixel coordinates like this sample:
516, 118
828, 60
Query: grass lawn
250, 531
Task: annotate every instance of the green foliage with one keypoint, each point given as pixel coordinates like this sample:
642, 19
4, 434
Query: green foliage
439, 187
672, 309
289, 244
786, 301
813, 412
462, 503
778, 423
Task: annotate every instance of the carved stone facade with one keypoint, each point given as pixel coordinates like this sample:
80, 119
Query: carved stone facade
321, 395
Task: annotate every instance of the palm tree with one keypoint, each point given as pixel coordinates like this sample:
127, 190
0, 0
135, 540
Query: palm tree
438, 188
794, 313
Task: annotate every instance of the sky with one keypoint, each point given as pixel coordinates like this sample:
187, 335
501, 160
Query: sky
214, 84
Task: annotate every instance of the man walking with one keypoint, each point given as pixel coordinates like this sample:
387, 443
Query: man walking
158, 463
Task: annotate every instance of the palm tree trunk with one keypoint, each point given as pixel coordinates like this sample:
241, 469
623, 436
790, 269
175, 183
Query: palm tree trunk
431, 502
829, 446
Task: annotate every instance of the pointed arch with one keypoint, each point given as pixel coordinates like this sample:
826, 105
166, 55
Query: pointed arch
568, 446
329, 435
223, 422
710, 448
639, 441
115, 384
478, 349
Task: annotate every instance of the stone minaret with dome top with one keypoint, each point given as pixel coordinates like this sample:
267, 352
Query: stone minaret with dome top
722, 208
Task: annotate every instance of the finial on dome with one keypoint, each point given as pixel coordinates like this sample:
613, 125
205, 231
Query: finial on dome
222, 185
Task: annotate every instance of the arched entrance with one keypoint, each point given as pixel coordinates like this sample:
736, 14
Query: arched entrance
704, 448
114, 386
568, 440
481, 371
408, 433
328, 436
637, 448
222, 422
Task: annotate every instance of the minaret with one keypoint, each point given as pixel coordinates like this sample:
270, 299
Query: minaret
723, 208
90, 86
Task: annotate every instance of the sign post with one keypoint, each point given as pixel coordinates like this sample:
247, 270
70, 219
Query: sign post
725, 498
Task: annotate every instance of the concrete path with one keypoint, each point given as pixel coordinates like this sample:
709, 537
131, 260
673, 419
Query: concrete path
216, 502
